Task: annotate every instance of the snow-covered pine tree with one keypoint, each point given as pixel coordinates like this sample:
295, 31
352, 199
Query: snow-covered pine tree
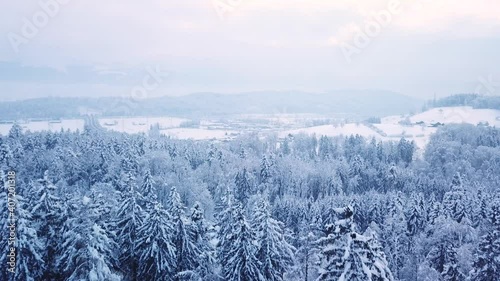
49, 215
347, 255
375, 212
16, 131
486, 265
242, 153
88, 251
265, 172
186, 251
5, 155
377, 260
274, 253
443, 258
129, 161
30, 264
148, 188
130, 217
123, 182
225, 225
395, 235
155, 247
202, 237
364, 260
17, 151
416, 215
242, 264
324, 148
479, 207
454, 201
333, 246
243, 188
444, 241
435, 210
306, 257
4, 224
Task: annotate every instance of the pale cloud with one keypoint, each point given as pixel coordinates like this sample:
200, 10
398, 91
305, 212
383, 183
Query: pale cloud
129, 31
263, 43
344, 34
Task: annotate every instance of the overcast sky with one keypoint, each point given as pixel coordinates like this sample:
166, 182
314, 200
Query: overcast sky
96, 47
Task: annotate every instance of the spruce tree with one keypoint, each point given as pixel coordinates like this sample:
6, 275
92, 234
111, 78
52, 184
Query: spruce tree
154, 245
416, 216
274, 253
347, 255
30, 264
226, 222
242, 264
88, 251
443, 258
333, 246
395, 235
49, 215
202, 235
186, 250
148, 186
130, 217
4, 225
243, 188
486, 265
454, 200
306, 256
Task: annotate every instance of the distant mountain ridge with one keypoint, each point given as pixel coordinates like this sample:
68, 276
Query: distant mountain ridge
362, 103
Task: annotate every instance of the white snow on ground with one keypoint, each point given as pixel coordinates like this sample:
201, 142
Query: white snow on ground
419, 134
198, 134
393, 119
331, 130
139, 124
389, 129
396, 130
462, 114
446, 115
71, 124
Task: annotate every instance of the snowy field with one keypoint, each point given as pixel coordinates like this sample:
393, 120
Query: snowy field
447, 115
198, 134
127, 125
69, 124
389, 129
140, 124
334, 130
392, 132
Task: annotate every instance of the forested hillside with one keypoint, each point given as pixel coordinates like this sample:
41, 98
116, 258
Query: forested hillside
474, 100
361, 103
100, 205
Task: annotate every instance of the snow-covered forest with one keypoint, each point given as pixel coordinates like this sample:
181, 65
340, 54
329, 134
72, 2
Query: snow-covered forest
101, 205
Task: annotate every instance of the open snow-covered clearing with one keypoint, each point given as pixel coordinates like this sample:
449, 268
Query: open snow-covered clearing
198, 134
140, 124
53, 126
461, 114
398, 131
447, 115
389, 129
334, 130
130, 125
393, 132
